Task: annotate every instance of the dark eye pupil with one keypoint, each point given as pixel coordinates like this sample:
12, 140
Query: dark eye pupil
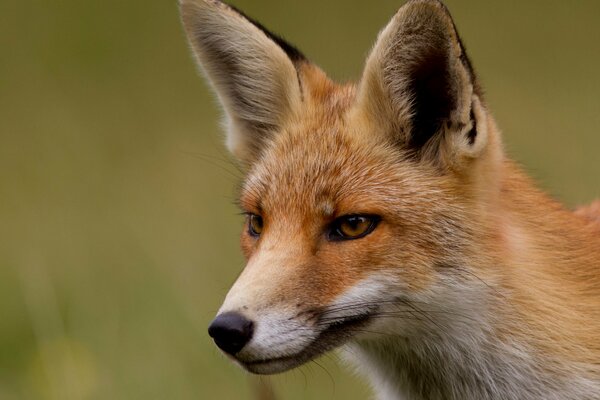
355, 222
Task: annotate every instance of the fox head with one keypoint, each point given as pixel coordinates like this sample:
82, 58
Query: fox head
361, 200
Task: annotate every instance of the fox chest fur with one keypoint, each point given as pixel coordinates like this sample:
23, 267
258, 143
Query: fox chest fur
384, 218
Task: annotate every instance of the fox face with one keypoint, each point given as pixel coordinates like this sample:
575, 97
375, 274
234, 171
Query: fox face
325, 235
354, 194
384, 215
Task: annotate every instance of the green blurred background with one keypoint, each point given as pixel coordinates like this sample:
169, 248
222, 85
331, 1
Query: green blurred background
118, 233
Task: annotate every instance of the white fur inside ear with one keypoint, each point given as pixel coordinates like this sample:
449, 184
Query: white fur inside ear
456, 146
236, 136
472, 148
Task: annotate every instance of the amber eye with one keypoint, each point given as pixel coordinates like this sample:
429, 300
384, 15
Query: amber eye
255, 225
352, 227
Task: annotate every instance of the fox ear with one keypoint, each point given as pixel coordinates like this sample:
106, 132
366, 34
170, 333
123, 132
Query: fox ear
419, 87
251, 70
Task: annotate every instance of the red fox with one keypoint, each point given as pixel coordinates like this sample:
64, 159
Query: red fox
383, 218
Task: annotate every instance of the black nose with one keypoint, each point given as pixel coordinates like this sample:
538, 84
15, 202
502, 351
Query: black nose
231, 331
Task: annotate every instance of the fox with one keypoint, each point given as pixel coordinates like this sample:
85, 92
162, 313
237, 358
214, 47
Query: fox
384, 220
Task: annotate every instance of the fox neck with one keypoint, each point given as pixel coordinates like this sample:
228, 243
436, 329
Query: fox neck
434, 368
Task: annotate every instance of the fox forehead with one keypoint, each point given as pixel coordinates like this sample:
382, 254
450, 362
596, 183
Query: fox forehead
312, 164
332, 169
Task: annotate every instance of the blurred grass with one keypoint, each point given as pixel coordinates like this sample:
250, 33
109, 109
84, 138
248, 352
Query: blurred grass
118, 233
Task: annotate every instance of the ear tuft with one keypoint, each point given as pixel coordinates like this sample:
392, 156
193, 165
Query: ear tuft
251, 69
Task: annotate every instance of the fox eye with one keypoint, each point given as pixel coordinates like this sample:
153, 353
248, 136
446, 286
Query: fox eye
255, 225
352, 227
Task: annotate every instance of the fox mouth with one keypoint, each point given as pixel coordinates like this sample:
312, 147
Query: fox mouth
333, 336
